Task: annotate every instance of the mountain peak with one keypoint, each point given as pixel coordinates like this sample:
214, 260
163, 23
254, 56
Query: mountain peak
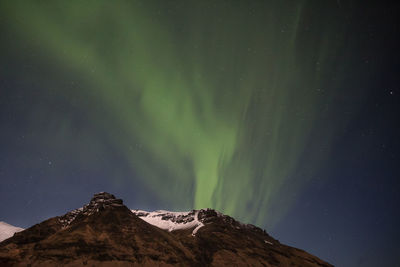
102, 196
104, 232
103, 200
99, 202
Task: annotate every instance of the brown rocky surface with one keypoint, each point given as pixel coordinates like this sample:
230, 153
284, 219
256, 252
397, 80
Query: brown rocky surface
106, 233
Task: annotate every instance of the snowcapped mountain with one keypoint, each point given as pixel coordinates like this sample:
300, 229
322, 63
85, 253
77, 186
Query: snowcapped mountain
172, 221
195, 219
8, 230
106, 233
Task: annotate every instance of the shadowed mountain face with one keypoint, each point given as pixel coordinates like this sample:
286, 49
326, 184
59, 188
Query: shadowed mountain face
106, 233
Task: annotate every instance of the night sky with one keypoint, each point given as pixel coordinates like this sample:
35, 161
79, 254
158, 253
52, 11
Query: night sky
283, 114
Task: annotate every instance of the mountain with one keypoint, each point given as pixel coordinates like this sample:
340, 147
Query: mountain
106, 233
7, 230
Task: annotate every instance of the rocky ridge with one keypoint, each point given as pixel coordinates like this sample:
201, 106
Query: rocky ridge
99, 202
194, 219
106, 233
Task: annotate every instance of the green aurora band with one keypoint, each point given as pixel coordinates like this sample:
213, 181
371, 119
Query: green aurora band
220, 97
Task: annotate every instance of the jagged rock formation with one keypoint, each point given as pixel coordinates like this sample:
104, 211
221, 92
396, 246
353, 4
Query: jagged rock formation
98, 203
106, 233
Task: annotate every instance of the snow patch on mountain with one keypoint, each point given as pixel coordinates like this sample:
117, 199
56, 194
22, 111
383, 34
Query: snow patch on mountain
7, 230
170, 220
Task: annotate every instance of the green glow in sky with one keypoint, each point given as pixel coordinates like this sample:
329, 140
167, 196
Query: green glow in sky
217, 98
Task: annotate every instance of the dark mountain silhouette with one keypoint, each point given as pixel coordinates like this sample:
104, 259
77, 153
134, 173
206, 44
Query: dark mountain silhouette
106, 233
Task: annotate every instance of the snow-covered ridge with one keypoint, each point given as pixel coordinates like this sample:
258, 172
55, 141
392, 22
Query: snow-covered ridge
170, 220
195, 219
7, 230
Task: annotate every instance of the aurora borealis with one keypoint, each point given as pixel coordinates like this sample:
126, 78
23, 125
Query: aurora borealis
232, 105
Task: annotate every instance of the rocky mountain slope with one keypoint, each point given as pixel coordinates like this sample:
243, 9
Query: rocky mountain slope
106, 233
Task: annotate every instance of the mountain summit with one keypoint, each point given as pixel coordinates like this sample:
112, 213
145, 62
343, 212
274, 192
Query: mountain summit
106, 233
